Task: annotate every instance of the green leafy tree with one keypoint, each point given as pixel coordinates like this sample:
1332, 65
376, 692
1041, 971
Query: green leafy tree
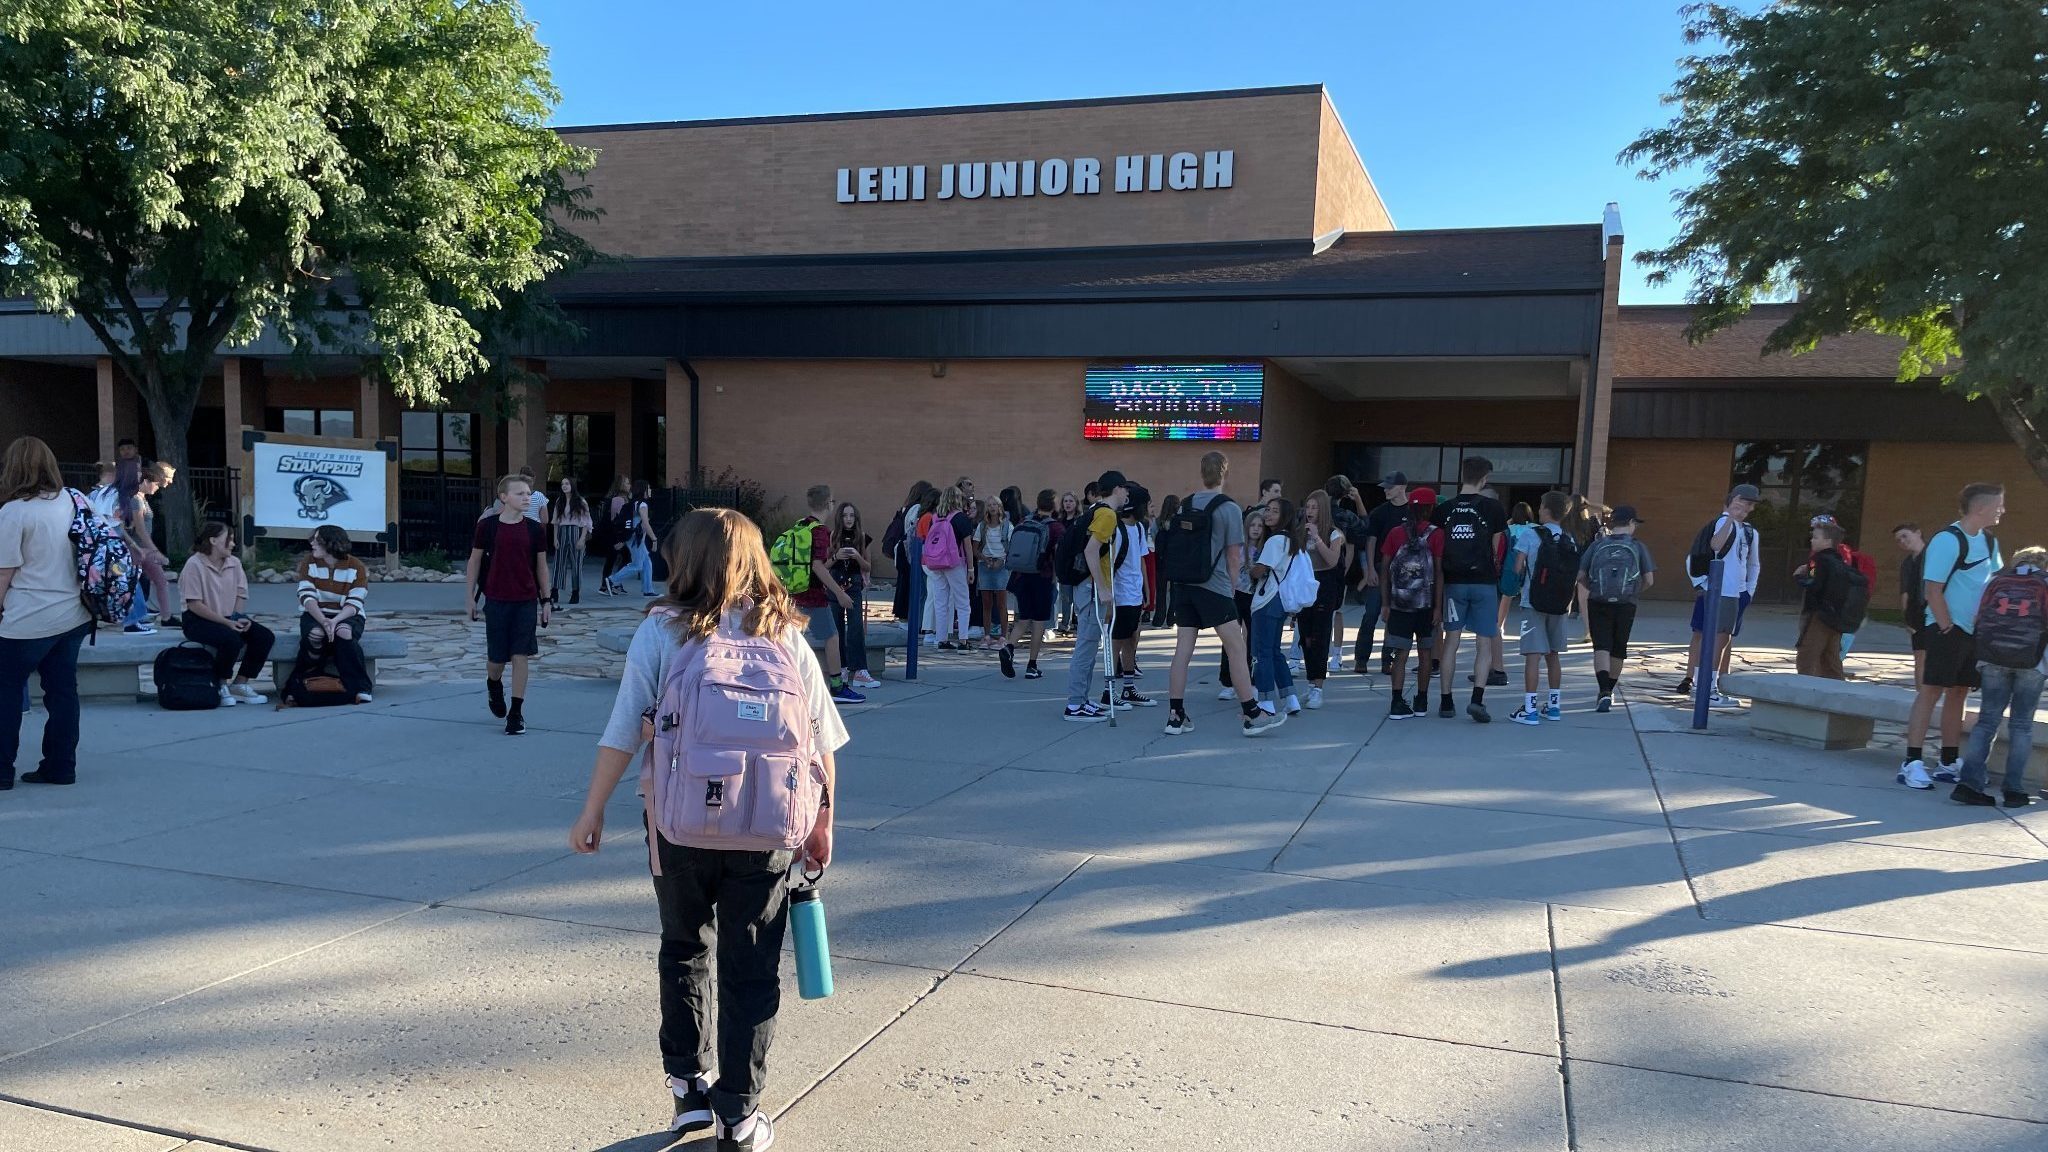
1888, 159
370, 176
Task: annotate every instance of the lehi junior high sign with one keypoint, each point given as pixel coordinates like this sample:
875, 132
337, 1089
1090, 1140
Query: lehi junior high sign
1005, 179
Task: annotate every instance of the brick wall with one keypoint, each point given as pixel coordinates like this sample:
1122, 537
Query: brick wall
1919, 483
756, 189
1294, 444
1345, 196
1675, 486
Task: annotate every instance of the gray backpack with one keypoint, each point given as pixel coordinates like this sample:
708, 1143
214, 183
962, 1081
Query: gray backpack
1614, 573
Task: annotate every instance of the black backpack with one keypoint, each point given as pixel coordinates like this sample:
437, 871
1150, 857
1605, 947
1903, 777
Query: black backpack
1844, 595
1070, 563
1185, 555
1555, 573
185, 680
1468, 545
1701, 556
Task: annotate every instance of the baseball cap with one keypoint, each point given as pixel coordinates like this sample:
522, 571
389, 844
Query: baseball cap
1422, 496
1394, 478
1746, 492
1111, 480
1624, 514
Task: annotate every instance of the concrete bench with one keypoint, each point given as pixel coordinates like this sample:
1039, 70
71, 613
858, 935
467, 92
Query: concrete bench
110, 668
882, 639
1837, 714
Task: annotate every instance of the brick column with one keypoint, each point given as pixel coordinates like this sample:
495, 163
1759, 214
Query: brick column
1596, 395
104, 371
369, 406
678, 409
231, 405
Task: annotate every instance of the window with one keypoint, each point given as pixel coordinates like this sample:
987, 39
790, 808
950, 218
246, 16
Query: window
437, 442
581, 446
313, 421
1799, 480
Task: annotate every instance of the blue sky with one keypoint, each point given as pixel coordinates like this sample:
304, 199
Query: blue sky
1468, 113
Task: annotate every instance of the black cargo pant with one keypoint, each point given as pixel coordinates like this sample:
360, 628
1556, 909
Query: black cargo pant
740, 900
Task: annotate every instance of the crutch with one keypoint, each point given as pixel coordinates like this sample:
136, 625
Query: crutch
1108, 659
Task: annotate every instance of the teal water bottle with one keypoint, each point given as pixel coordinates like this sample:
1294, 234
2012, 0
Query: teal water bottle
813, 949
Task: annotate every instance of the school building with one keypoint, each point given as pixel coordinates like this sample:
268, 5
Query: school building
1031, 293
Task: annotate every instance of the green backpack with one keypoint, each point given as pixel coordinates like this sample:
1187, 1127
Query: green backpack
790, 556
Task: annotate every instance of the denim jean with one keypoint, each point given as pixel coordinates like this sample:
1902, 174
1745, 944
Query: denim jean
1087, 658
740, 902
642, 562
1063, 608
55, 660
2014, 690
1270, 672
852, 624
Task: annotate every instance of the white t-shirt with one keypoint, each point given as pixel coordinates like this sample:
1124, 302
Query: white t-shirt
1129, 589
536, 504
35, 541
1273, 555
1744, 566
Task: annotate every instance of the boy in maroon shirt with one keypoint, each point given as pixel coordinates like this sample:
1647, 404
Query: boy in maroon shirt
510, 558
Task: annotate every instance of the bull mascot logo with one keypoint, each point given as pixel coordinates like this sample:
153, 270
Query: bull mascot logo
318, 494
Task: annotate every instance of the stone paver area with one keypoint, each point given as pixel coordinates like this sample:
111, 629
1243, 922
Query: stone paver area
362, 929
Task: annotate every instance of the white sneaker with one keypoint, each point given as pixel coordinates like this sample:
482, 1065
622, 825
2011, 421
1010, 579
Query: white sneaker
863, 679
754, 1134
1726, 703
227, 698
1226, 694
247, 694
1315, 698
1913, 774
974, 634
1293, 705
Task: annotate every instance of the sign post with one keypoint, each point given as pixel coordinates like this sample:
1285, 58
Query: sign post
293, 484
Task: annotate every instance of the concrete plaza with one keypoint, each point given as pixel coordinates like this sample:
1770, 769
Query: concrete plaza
363, 929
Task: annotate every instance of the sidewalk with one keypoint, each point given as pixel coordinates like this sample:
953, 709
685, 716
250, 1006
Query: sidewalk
362, 929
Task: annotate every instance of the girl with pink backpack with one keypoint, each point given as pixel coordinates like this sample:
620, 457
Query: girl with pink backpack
724, 694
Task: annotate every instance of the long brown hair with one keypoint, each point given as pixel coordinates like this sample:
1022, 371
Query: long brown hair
28, 470
844, 537
718, 564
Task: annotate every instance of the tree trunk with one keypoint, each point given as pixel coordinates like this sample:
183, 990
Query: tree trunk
170, 402
2011, 407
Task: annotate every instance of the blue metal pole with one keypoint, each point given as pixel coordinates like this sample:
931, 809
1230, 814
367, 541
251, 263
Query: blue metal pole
1710, 646
914, 548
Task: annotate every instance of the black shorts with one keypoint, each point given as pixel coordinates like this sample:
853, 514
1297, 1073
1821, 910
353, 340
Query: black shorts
1951, 659
511, 628
1197, 607
1609, 625
1125, 625
1034, 597
1411, 628
1918, 637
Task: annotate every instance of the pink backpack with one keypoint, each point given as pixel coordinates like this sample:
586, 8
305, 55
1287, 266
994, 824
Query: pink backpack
942, 546
734, 763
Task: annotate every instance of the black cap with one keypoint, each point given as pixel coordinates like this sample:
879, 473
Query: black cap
1110, 481
1395, 478
1624, 514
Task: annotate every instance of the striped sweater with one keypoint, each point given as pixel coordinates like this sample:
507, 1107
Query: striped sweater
331, 586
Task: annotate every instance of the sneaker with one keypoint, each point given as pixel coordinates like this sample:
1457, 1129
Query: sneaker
1913, 774
1964, 794
1421, 704
1084, 714
1553, 712
1725, 703
1178, 724
1226, 694
495, 691
1103, 703
604, 589
364, 698
693, 1104
1524, 716
1293, 704
1263, 723
1136, 673
1131, 699
2017, 799
1007, 654
1031, 672
1478, 713
515, 725
864, 679
1684, 687
1949, 773
1399, 709
754, 1134
227, 698
1446, 709
974, 634
247, 694
1315, 699
1497, 679
845, 694
1606, 704
948, 646
138, 630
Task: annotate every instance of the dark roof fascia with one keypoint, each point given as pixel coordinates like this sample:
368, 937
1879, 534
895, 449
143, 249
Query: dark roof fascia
1759, 383
951, 110
1100, 295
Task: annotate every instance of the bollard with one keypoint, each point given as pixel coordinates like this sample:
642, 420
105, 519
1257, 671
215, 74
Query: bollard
1710, 655
914, 548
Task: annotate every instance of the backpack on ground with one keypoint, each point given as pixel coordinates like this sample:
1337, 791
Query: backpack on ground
108, 577
1070, 560
1614, 571
184, 678
1554, 574
1468, 552
1028, 542
322, 689
942, 545
1411, 574
790, 556
1845, 598
734, 764
2012, 620
1298, 584
1184, 545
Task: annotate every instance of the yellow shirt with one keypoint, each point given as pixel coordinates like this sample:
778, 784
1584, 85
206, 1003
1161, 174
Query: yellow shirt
1102, 526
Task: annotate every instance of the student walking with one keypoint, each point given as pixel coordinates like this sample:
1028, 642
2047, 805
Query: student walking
1836, 596
1615, 572
135, 482
992, 573
948, 535
1128, 594
1549, 562
43, 620
1328, 549
1472, 523
1159, 591
2012, 655
1271, 677
802, 559
1412, 582
1521, 522
334, 590
1086, 562
1730, 538
1241, 599
1032, 547
508, 560
216, 592
636, 533
611, 535
1958, 563
719, 888
851, 571
1389, 514
572, 534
